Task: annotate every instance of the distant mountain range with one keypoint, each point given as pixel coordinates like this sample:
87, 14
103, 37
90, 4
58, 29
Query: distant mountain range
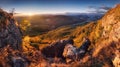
81, 16
87, 16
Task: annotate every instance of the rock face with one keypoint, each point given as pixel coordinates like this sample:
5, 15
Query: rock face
10, 34
110, 40
111, 23
111, 28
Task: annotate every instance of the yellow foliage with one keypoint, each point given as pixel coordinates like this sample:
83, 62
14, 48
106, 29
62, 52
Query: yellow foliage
25, 24
26, 43
35, 39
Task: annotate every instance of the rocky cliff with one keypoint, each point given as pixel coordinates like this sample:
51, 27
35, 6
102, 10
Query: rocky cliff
10, 33
10, 41
111, 23
110, 39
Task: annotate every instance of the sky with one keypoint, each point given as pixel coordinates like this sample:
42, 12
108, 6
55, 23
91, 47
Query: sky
57, 6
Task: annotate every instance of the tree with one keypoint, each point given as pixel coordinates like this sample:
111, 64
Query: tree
12, 11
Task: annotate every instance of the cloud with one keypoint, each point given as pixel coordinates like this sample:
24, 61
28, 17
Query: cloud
100, 9
97, 11
105, 7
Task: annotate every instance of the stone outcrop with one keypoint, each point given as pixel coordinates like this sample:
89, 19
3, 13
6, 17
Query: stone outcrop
111, 24
10, 41
110, 40
56, 49
10, 33
19, 62
72, 53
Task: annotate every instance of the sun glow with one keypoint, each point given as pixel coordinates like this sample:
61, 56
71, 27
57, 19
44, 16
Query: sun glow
25, 14
30, 14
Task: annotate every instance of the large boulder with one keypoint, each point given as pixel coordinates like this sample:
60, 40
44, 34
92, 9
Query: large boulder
10, 33
69, 53
56, 49
19, 62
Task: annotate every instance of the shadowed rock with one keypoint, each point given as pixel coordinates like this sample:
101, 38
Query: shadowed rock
83, 49
10, 33
10, 39
19, 62
71, 53
56, 49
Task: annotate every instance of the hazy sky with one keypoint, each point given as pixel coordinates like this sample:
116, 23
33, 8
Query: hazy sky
57, 6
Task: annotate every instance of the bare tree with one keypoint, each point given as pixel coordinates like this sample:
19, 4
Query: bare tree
12, 11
